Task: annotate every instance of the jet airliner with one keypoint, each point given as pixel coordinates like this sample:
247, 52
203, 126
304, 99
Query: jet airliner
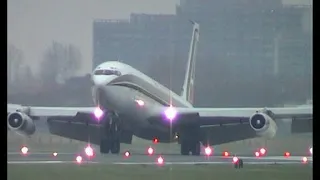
129, 103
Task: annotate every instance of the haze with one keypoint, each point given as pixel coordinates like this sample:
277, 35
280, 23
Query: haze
34, 24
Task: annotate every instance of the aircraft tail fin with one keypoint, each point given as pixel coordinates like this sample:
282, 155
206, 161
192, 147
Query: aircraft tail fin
188, 86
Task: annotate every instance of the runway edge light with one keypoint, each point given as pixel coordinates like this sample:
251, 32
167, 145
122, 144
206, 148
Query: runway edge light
262, 151
304, 160
150, 151
24, 150
160, 160
89, 151
79, 159
208, 150
226, 154
127, 154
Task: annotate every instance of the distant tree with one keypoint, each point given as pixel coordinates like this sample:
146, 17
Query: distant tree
60, 63
73, 61
27, 80
14, 62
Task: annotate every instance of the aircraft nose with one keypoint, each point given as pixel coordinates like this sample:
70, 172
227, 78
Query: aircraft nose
100, 81
105, 97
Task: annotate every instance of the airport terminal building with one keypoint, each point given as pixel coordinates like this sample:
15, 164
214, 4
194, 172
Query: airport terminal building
243, 41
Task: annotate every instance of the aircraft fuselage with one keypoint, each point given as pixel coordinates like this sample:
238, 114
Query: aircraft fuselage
121, 95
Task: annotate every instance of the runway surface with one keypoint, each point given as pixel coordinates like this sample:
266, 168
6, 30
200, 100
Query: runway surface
49, 158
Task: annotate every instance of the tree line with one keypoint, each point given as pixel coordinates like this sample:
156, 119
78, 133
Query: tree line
59, 63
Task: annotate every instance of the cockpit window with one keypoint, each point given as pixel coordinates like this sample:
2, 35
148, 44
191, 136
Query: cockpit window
107, 72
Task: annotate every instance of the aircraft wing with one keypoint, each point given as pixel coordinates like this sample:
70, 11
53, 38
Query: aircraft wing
37, 111
278, 113
67, 122
233, 116
223, 125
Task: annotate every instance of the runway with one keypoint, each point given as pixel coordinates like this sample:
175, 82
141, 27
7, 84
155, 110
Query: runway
49, 158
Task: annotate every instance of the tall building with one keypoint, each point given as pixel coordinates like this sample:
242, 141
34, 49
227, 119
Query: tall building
137, 41
249, 50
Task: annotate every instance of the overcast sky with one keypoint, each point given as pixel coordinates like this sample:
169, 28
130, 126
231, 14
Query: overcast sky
34, 24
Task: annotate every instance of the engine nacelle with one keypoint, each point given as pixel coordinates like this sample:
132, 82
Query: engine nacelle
21, 123
264, 125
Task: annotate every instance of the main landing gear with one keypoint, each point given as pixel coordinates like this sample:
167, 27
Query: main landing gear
110, 134
190, 140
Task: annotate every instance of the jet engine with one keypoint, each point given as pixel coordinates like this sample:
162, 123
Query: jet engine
21, 123
264, 125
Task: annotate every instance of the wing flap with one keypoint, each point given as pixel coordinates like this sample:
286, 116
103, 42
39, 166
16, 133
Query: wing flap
302, 126
75, 130
288, 112
224, 134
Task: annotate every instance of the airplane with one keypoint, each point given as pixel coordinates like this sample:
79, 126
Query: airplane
129, 103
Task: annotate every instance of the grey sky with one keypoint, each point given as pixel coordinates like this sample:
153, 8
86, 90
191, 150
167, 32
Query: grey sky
34, 24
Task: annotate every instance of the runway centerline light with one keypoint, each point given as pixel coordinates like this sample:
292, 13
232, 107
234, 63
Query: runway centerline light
208, 151
24, 150
150, 151
160, 160
79, 159
54, 154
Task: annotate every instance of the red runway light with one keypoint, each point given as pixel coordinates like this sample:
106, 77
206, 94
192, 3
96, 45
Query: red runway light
155, 140
127, 154
286, 154
79, 159
225, 154
208, 151
263, 151
304, 160
24, 150
235, 159
257, 154
150, 151
160, 160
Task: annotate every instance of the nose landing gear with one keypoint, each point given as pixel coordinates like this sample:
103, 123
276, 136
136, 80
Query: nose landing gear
110, 133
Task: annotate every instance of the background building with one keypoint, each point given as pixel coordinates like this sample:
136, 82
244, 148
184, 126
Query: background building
251, 52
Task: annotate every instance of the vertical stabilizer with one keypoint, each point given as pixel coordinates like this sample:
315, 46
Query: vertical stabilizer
188, 86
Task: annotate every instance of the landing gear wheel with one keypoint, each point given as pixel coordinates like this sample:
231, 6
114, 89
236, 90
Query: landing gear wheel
104, 146
189, 146
115, 148
190, 140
